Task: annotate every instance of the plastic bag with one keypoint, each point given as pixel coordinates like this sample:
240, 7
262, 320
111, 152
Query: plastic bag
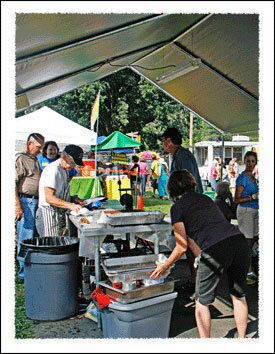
91, 312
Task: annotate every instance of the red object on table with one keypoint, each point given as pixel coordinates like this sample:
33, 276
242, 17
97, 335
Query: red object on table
101, 299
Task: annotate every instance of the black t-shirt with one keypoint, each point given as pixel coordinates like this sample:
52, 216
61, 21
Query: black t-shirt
203, 220
135, 177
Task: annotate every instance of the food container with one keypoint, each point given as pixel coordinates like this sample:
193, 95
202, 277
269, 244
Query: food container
127, 269
91, 220
139, 293
136, 218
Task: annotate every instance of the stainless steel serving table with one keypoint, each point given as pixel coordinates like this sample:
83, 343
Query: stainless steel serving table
154, 232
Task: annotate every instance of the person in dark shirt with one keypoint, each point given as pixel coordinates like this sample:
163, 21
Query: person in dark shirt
134, 174
182, 159
217, 245
224, 201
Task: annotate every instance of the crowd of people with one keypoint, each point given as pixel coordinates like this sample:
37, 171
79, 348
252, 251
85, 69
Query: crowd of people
202, 227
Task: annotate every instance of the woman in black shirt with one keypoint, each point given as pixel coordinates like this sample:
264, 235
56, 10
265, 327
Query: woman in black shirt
218, 245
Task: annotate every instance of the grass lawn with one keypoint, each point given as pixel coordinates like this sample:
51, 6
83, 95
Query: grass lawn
23, 326
151, 203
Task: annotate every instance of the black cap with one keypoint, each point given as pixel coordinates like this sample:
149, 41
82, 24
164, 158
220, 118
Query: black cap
76, 152
173, 134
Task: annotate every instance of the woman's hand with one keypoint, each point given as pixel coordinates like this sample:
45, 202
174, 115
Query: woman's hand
159, 271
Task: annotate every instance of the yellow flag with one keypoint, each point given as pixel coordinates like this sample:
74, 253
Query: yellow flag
95, 111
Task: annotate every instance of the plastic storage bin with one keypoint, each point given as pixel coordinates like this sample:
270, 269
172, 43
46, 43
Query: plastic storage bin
142, 319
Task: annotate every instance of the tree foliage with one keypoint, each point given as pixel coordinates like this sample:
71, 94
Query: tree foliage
129, 103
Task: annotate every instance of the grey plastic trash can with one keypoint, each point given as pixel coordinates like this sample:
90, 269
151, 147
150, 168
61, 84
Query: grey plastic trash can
51, 270
142, 319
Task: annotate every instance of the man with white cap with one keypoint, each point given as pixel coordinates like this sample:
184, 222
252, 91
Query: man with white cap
54, 193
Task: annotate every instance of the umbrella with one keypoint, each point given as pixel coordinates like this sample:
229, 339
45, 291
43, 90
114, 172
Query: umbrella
147, 154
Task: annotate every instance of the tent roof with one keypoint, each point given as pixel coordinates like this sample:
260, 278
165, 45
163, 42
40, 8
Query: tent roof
53, 126
117, 140
58, 52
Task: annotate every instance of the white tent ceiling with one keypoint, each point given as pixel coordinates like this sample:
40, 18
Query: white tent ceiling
53, 126
56, 53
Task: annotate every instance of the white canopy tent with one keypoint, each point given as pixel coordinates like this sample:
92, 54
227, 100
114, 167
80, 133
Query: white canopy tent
53, 126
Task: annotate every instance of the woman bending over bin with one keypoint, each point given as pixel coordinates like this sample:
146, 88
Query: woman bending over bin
217, 245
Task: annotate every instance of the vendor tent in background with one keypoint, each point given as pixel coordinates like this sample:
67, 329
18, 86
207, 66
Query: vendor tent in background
123, 150
117, 140
53, 126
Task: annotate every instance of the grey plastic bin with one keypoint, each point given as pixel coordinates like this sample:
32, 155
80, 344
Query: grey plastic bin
51, 265
142, 319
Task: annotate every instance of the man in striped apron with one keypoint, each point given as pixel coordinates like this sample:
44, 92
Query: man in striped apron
54, 193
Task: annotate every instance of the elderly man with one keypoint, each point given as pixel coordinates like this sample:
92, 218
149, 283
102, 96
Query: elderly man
54, 193
27, 174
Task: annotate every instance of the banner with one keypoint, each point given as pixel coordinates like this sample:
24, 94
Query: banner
120, 158
95, 111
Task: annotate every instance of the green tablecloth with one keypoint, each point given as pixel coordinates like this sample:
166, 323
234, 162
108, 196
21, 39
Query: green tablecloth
85, 187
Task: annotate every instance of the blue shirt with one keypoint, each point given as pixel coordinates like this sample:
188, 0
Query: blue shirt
249, 189
44, 161
183, 159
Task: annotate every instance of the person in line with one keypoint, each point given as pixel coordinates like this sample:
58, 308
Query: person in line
54, 193
224, 200
232, 171
218, 246
102, 175
214, 174
163, 179
49, 154
155, 173
134, 174
182, 159
27, 175
143, 175
246, 196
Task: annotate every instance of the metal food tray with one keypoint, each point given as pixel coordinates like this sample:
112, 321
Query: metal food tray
142, 293
136, 218
128, 269
92, 217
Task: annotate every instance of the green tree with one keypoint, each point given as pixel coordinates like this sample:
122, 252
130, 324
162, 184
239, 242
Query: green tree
129, 103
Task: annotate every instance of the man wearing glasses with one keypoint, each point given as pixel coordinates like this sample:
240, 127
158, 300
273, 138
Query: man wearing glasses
54, 193
27, 174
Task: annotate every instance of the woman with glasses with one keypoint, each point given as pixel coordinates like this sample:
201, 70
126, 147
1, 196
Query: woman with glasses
246, 196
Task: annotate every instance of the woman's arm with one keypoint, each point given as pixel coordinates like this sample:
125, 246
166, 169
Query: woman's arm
238, 199
179, 249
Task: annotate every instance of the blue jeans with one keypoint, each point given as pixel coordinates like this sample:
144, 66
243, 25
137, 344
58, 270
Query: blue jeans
143, 179
213, 183
26, 226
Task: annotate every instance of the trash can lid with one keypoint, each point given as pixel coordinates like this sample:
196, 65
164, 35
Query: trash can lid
51, 243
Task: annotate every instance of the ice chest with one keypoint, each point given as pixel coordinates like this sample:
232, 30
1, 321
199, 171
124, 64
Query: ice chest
142, 319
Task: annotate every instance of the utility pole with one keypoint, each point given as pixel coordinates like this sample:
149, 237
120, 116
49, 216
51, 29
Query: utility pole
191, 115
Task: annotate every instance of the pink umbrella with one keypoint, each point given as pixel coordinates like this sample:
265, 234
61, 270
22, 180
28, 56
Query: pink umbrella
147, 154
